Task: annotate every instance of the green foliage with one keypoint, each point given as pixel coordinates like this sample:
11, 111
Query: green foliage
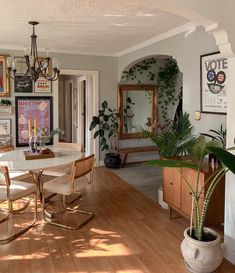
165, 78
201, 149
46, 137
5, 102
177, 140
219, 135
166, 81
106, 125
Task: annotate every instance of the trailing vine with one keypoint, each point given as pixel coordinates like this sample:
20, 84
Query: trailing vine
166, 81
165, 77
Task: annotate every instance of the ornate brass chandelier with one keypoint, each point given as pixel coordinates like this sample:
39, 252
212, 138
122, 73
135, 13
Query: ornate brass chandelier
36, 66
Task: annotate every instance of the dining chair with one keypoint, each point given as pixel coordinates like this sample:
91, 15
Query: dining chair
11, 191
18, 175
58, 171
66, 185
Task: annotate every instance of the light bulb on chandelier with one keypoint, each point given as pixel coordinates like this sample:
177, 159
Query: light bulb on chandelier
36, 66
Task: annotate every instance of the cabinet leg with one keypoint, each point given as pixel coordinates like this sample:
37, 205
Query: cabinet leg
173, 215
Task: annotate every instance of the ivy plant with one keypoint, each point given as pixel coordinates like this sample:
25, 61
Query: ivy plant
106, 126
165, 78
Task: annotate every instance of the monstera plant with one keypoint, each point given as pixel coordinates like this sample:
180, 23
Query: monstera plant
106, 128
201, 247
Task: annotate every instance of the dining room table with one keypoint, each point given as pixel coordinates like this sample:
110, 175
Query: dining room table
17, 162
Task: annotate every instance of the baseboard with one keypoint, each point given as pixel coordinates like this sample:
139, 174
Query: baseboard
101, 163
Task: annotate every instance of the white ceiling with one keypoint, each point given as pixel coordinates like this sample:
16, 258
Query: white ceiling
83, 26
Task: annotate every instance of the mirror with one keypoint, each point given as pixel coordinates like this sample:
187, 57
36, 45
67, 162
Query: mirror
137, 108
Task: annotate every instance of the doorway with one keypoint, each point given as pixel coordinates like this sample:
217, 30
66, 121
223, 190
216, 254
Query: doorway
83, 97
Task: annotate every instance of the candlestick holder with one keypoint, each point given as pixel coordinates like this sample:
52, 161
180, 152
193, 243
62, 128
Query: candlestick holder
33, 144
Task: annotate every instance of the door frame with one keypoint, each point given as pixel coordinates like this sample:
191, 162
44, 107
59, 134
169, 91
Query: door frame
93, 104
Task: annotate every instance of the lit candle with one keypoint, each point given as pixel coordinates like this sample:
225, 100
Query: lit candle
29, 128
35, 128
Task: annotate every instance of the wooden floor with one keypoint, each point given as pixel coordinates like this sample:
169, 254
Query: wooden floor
129, 234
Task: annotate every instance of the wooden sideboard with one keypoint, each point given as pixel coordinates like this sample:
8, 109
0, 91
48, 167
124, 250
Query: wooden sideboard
177, 194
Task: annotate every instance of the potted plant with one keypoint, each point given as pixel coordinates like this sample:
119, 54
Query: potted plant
176, 140
45, 137
219, 135
106, 126
201, 247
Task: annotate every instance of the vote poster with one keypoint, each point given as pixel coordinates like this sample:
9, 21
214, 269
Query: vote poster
214, 70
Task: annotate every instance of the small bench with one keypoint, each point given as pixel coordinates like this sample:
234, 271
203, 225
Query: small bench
133, 150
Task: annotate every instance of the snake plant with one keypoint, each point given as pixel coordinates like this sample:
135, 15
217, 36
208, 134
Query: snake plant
201, 149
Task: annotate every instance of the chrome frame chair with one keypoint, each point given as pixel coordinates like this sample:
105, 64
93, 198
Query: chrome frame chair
12, 190
66, 185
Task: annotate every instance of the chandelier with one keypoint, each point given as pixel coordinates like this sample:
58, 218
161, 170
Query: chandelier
36, 66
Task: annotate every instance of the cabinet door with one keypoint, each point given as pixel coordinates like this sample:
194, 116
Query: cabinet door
186, 193
171, 186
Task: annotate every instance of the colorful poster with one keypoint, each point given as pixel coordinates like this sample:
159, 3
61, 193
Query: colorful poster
214, 69
31, 111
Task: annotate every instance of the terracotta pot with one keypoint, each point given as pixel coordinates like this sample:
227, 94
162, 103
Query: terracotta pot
202, 257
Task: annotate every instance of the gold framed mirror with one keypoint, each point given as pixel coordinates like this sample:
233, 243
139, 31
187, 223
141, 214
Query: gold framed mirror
137, 106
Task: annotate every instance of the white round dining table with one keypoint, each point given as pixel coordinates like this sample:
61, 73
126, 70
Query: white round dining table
15, 160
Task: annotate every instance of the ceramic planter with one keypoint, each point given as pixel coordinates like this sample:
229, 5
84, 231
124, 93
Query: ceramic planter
112, 160
202, 257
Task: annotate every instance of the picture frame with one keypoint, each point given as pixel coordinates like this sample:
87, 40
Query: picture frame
30, 109
23, 86
213, 88
4, 78
43, 85
5, 127
5, 141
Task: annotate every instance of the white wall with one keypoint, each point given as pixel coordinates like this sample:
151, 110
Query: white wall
229, 228
186, 49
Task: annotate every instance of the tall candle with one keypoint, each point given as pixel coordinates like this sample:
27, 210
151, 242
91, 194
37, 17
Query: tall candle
29, 128
35, 128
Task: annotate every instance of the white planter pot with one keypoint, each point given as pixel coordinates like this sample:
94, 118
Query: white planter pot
202, 257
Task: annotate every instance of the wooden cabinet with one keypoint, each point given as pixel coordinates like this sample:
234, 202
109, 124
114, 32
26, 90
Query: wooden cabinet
4, 149
178, 195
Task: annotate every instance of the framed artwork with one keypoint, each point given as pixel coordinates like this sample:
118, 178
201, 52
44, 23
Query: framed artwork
213, 68
42, 85
5, 141
31, 110
5, 127
4, 79
23, 86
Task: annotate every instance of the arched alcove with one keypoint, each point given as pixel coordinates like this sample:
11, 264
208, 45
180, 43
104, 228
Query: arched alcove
162, 71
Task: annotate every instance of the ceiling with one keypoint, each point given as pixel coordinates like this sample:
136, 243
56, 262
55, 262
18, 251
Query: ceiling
102, 27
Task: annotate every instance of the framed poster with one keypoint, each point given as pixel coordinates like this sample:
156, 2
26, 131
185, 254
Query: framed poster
31, 110
4, 79
42, 85
5, 127
214, 69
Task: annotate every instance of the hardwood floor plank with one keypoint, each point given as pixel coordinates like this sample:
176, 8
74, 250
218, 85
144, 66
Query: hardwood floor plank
128, 234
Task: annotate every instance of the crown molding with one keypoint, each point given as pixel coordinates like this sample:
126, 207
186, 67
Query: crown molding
151, 41
54, 50
158, 38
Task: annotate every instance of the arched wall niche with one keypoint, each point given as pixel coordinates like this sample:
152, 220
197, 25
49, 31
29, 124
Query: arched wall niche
144, 71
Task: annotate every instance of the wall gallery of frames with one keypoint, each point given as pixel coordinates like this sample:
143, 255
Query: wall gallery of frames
25, 106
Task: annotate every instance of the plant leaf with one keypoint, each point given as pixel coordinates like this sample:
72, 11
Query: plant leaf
96, 134
227, 159
104, 104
